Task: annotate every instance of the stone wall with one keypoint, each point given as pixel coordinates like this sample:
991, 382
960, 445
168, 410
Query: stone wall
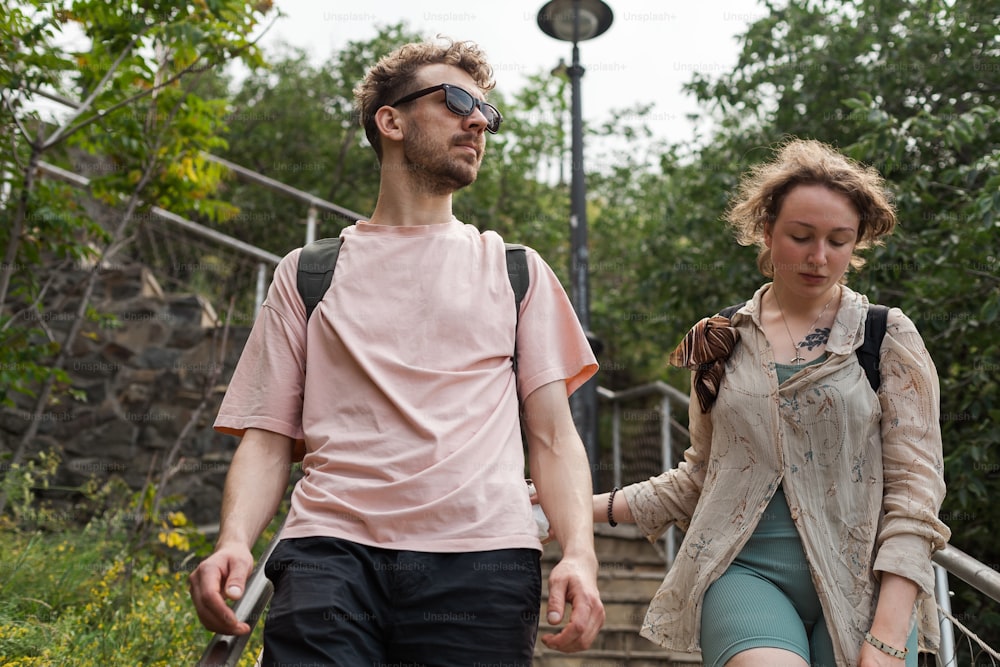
143, 377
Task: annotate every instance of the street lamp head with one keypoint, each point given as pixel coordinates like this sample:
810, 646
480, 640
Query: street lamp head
574, 20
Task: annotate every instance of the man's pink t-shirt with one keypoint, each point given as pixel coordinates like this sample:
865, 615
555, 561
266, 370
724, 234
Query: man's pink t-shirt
410, 417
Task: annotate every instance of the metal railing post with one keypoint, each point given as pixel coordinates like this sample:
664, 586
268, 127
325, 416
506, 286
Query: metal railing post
666, 394
311, 225
616, 442
261, 289
670, 538
946, 651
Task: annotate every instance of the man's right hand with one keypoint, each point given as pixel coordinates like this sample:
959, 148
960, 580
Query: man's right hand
221, 576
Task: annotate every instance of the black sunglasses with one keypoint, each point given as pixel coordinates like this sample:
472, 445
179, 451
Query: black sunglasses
459, 102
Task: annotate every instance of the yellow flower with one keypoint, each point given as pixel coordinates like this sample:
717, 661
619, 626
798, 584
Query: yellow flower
174, 540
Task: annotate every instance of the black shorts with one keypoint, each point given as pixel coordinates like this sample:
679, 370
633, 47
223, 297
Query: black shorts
337, 602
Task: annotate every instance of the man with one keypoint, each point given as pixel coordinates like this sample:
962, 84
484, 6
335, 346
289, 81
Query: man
410, 537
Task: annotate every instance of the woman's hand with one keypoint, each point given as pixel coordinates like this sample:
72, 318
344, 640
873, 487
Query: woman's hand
891, 623
540, 518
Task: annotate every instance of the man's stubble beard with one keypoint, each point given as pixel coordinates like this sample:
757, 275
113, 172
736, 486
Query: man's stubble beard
433, 171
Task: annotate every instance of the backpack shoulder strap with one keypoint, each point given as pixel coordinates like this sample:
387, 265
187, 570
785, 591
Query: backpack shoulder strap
868, 353
316, 264
729, 311
517, 273
318, 260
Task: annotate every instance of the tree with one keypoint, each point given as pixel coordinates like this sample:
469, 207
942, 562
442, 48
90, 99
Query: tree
144, 130
293, 121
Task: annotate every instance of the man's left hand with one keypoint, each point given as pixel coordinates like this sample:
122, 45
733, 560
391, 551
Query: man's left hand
574, 582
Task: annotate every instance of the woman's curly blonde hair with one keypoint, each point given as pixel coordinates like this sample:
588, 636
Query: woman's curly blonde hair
392, 77
763, 189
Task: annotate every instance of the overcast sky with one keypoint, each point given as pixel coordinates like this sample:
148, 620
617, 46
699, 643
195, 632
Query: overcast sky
652, 48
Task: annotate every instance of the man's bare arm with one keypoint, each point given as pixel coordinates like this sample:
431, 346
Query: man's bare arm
255, 485
561, 473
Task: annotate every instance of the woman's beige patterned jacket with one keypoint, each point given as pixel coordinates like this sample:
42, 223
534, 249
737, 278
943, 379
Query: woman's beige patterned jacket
863, 475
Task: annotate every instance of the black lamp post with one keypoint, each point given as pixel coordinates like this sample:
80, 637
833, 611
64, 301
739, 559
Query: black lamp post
577, 21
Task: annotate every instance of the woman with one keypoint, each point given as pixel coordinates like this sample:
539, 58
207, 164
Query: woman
810, 502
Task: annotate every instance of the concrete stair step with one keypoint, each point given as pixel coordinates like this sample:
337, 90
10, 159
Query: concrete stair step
599, 658
641, 586
625, 611
622, 548
631, 571
613, 637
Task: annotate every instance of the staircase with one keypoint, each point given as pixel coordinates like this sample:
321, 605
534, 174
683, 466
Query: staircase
631, 570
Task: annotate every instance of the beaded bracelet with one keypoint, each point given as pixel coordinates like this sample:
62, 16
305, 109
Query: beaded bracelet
885, 648
611, 507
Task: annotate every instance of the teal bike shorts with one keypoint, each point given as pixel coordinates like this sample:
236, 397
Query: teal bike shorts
767, 599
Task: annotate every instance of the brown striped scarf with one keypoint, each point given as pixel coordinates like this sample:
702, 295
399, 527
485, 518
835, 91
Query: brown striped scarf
704, 350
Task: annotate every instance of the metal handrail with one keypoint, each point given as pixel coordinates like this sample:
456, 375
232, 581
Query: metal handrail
226, 650
980, 576
80, 181
266, 181
241, 171
667, 394
264, 258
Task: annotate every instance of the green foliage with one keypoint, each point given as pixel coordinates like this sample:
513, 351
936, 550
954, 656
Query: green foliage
19, 486
144, 134
78, 587
27, 29
293, 121
514, 194
661, 253
87, 602
89, 598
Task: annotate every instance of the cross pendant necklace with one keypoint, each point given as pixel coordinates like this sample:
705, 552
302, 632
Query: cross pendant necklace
798, 358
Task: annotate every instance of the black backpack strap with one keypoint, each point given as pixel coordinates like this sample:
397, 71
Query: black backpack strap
517, 273
319, 258
868, 354
316, 264
729, 311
